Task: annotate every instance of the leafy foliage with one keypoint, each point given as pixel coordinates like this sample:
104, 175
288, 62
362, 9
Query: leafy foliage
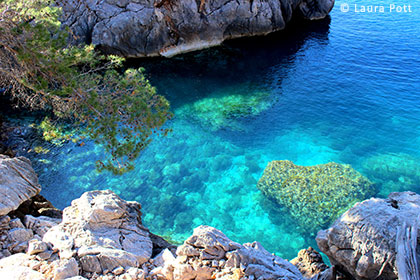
40, 70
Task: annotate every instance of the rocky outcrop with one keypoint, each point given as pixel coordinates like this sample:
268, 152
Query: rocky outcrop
209, 254
16, 234
101, 237
18, 183
362, 242
141, 28
103, 232
314, 195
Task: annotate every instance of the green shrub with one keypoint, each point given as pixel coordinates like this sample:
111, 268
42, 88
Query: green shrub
40, 70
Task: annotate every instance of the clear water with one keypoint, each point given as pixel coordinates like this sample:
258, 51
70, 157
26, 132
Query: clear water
345, 90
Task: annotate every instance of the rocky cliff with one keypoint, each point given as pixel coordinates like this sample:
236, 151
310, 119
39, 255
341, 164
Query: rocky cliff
142, 28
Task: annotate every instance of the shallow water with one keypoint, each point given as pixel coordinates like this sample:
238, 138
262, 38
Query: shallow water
344, 89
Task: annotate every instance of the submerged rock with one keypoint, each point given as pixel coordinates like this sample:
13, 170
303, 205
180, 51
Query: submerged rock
169, 27
222, 108
18, 183
314, 195
397, 172
362, 241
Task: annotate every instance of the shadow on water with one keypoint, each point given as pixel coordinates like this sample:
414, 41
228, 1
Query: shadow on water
235, 61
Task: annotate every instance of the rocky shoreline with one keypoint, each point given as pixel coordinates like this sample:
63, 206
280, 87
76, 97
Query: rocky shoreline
101, 236
170, 27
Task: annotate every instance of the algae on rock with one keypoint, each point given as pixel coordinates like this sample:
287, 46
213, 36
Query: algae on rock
224, 107
314, 195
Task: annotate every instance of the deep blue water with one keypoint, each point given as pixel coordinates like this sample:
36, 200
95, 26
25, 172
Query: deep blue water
345, 89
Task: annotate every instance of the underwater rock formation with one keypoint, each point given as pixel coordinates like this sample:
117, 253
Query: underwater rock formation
362, 241
222, 109
169, 27
393, 171
314, 195
18, 182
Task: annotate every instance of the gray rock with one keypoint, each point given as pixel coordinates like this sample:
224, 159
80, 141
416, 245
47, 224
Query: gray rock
362, 240
18, 183
40, 225
168, 27
44, 255
36, 246
66, 269
16, 223
100, 227
90, 264
250, 260
20, 235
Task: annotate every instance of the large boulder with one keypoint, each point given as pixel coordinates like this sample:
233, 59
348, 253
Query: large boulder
140, 28
314, 195
18, 183
104, 231
362, 241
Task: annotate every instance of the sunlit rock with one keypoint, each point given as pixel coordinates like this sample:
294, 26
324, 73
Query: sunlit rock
100, 227
18, 183
362, 241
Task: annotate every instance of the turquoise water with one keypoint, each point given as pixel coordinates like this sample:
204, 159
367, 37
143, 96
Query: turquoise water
345, 89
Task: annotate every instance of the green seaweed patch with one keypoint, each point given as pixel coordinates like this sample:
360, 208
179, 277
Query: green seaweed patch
223, 108
314, 195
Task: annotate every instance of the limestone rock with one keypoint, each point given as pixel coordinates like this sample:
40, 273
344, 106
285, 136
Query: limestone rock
104, 231
18, 183
169, 27
362, 241
20, 235
20, 273
36, 246
66, 269
40, 225
314, 195
18, 266
209, 254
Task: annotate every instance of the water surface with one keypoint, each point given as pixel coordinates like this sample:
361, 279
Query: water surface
345, 89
